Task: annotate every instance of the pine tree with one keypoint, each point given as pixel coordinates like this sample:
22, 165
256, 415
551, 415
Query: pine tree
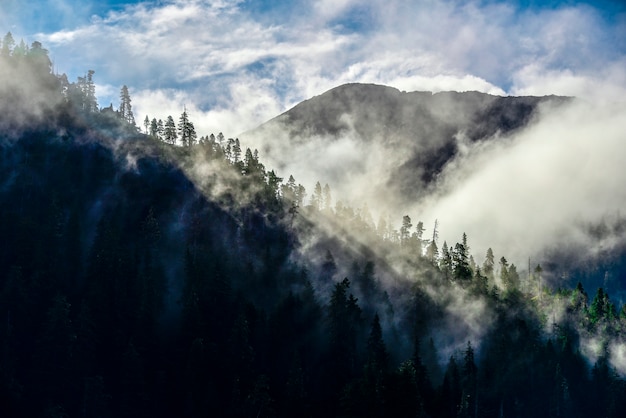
405, 230
154, 128
445, 264
192, 136
418, 237
125, 111
377, 356
186, 130
8, 43
344, 317
432, 251
300, 195
481, 285
601, 308
469, 383
504, 272
169, 131
451, 391
513, 278
39, 60
460, 263
21, 50
317, 200
160, 130
236, 151
183, 128
367, 396
489, 265
91, 103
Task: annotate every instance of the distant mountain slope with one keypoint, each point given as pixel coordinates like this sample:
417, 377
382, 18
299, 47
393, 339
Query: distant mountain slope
376, 110
392, 139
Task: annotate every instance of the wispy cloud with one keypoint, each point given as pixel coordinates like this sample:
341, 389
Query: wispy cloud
206, 50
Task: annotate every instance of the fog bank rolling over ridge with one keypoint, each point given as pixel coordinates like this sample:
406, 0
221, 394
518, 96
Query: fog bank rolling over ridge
524, 175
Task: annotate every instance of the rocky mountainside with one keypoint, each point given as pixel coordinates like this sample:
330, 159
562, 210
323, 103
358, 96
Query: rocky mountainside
390, 139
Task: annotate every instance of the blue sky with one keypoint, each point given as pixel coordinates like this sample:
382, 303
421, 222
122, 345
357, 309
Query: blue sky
237, 63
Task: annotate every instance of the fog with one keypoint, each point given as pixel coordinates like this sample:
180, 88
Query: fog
536, 190
522, 194
28, 93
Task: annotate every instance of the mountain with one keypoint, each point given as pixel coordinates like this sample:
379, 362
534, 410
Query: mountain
397, 153
396, 142
141, 278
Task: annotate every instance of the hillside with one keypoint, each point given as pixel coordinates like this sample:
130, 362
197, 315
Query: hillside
141, 276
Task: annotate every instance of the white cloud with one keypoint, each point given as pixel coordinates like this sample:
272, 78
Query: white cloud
607, 84
212, 47
332, 8
253, 102
527, 195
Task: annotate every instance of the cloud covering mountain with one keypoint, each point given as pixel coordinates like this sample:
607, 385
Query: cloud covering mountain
527, 176
372, 140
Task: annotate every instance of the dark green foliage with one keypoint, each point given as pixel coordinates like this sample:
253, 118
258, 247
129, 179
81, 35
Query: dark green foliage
601, 308
460, 263
186, 130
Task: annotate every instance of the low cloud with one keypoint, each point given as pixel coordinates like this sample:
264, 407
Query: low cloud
527, 194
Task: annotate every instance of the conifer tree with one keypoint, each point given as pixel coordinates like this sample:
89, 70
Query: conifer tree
344, 317
169, 131
236, 151
418, 237
21, 50
39, 60
160, 130
489, 264
125, 110
513, 278
376, 351
91, 103
445, 264
432, 252
186, 130
300, 194
317, 200
504, 272
460, 262
8, 43
154, 128
405, 230
469, 382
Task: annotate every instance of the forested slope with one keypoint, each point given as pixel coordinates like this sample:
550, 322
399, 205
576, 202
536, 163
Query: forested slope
143, 278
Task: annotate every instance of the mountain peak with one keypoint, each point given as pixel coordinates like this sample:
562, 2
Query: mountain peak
417, 132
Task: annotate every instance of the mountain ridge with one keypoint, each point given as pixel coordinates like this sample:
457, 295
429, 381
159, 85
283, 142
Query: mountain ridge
415, 133
349, 93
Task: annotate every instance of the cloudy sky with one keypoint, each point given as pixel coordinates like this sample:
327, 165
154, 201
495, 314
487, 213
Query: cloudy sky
237, 63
